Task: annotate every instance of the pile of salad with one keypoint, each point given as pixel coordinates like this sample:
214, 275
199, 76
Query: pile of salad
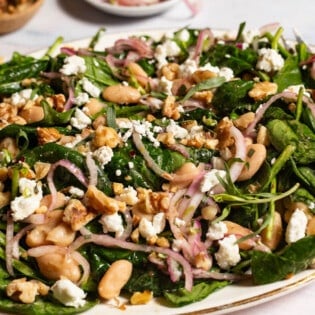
158, 167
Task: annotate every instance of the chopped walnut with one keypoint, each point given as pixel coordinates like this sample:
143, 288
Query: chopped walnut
202, 75
26, 291
106, 136
41, 169
5, 198
166, 138
151, 202
199, 138
202, 261
170, 108
141, 297
77, 215
99, 202
170, 71
46, 135
223, 133
57, 101
204, 96
243, 121
263, 89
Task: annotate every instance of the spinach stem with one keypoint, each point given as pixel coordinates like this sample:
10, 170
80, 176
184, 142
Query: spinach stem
272, 208
299, 104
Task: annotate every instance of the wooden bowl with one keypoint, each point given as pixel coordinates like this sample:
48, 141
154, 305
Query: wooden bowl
10, 22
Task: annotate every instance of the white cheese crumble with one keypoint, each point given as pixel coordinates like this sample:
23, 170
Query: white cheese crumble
296, 227
81, 99
73, 65
90, 88
296, 89
183, 35
103, 155
165, 85
269, 60
21, 97
29, 200
129, 195
112, 223
149, 229
177, 131
228, 254
80, 120
76, 192
216, 231
210, 179
168, 49
69, 294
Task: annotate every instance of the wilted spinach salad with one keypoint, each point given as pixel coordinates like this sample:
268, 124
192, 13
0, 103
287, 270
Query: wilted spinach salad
169, 166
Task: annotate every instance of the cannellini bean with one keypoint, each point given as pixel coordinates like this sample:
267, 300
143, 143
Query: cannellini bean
56, 265
59, 203
121, 94
32, 114
114, 279
256, 155
61, 235
276, 232
292, 206
240, 231
93, 106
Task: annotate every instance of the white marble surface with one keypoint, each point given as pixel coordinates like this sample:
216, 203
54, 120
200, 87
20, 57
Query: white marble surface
75, 19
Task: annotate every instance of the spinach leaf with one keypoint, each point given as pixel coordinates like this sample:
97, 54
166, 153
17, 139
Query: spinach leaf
199, 291
289, 75
232, 96
239, 60
283, 133
98, 71
271, 267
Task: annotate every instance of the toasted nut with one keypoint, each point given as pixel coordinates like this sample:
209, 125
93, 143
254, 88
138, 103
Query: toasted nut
263, 89
310, 230
98, 201
202, 75
106, 136
137, 71
141, 297
256, 155
114, 279
121, 94
243, 121
276, 232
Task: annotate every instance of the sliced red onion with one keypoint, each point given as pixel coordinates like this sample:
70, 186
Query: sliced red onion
128, 227
81, 260
72, 168
9, 244
173, 269
108, 241
68, 51
92, 168
250, 131
203, 35
203, 274
46, 249
16, 240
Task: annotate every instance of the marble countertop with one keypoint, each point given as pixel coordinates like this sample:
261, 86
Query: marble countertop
77, 19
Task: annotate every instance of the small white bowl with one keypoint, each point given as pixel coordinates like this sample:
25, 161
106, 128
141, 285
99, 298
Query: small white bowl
136, 11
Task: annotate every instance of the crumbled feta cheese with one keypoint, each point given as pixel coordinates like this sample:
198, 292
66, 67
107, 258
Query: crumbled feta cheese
124, 123
183, 35
210, 179
269, 60
150, 229
89, 87
73, 65
26, 204
69, 294
216, 231
129, 196
228, 254
21, 97
118, 172
168, 49
103, 155
80, 120
77, 192
296, 227
81, 99
177, 131
112, 223
165, 85
179, 222
296, 89
188, 68
131, 165
74, 142
143, 127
